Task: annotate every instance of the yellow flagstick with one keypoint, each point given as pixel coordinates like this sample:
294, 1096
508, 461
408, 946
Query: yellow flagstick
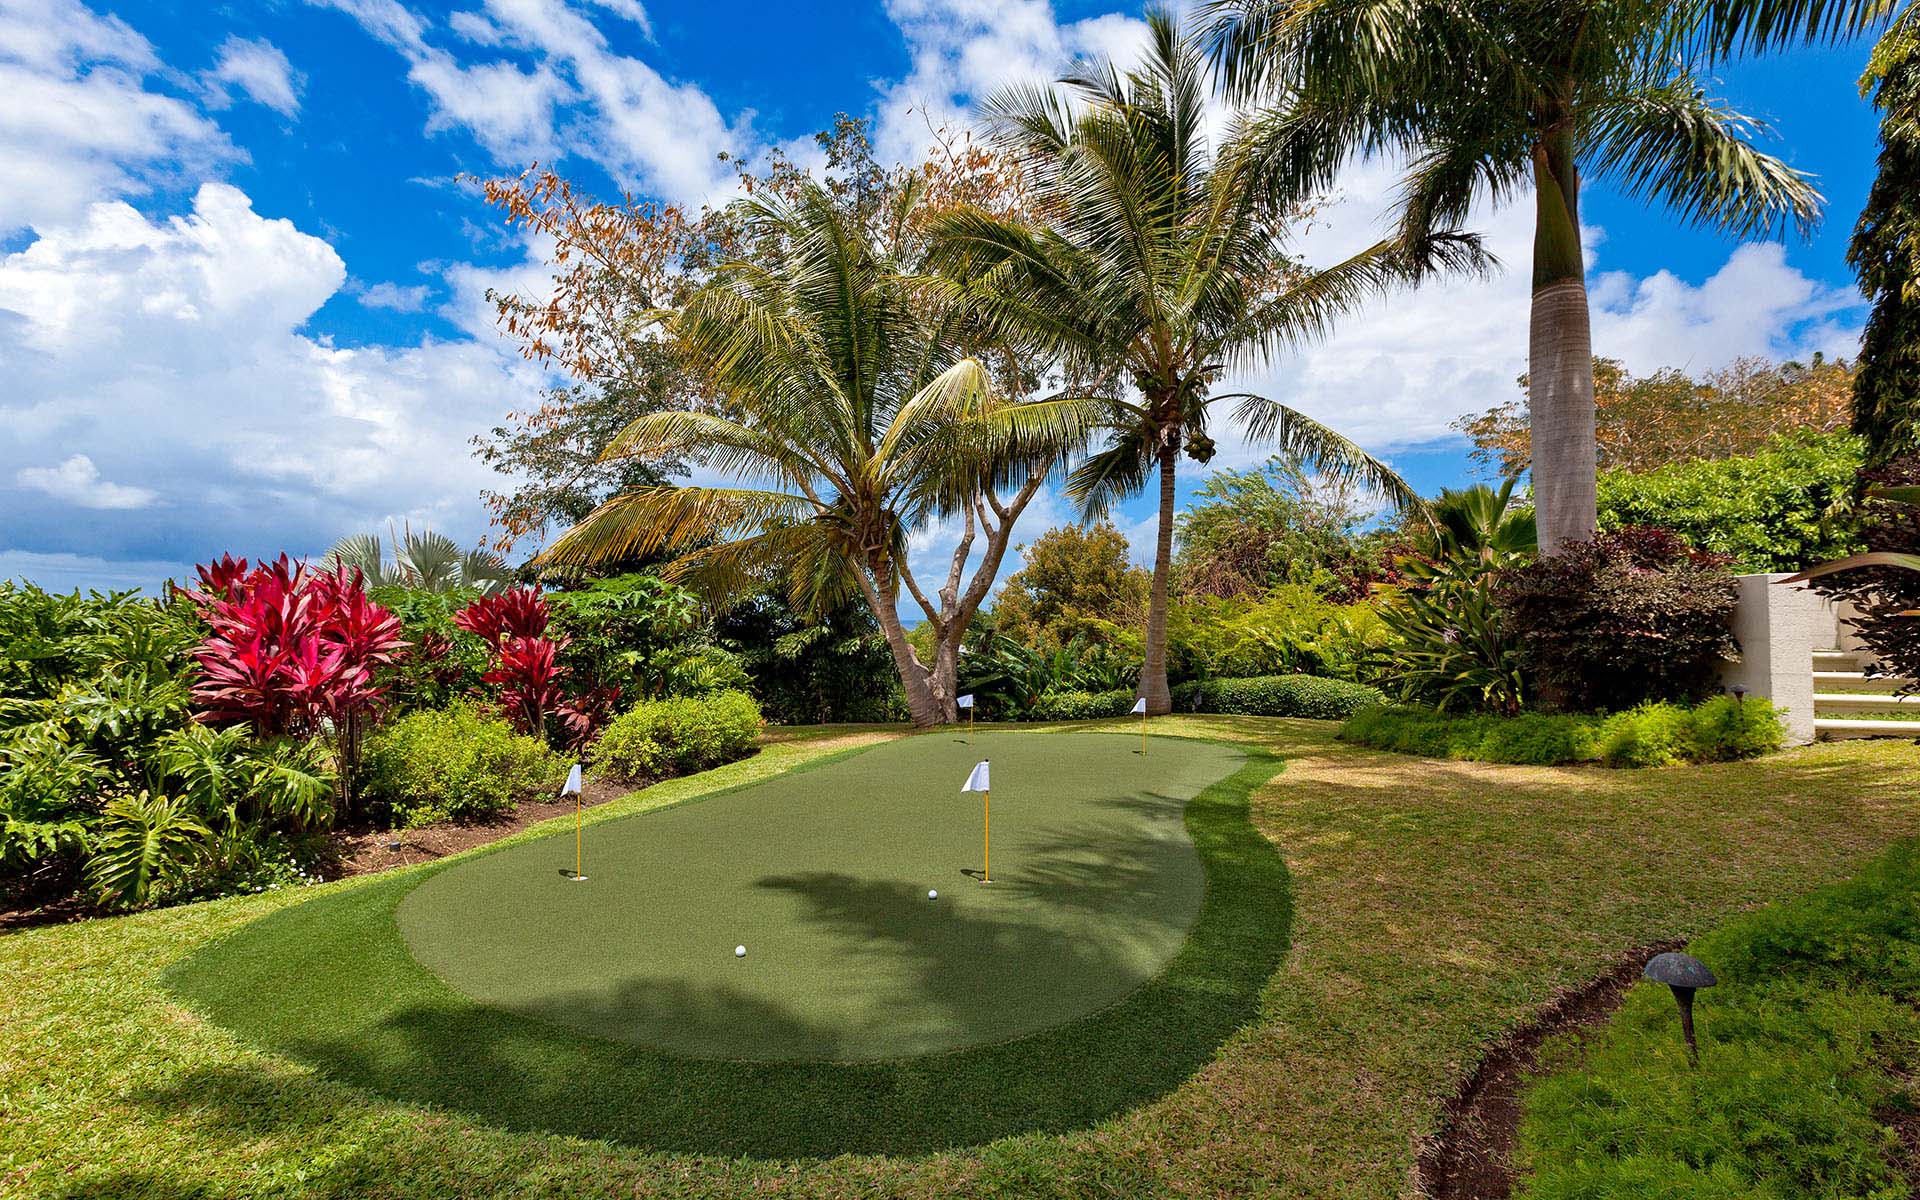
573, 785
986, 876
969, 725
1143, 732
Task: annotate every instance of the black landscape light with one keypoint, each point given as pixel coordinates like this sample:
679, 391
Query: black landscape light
1686, 975
1739, 695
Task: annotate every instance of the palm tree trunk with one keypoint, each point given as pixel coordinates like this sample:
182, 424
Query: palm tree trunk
1560, 355
1153, 676
922, 706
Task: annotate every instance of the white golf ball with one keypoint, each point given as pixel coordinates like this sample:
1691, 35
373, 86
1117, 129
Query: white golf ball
739, 951
932, 895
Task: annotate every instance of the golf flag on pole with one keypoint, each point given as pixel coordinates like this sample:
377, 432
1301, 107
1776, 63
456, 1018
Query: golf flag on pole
1139, 706
572, 788
977, 782
965, 701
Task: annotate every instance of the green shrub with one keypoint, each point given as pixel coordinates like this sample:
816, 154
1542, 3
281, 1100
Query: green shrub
1652, 735
455, 764
1531, 739
1798, 1046
1082, 706
1781, 509
658, 739
1277, 696
1631, 616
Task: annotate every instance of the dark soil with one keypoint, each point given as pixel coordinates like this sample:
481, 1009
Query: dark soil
1472, 1157
367, 851
348, 852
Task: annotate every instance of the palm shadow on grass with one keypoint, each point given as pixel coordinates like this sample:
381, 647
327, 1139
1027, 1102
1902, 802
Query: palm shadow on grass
371, 1016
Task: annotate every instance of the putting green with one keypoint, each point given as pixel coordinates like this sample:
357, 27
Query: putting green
823, 875
1116, 948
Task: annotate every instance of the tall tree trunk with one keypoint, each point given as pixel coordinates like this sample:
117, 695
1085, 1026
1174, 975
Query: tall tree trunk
1153, 675
915, 680
1560, 355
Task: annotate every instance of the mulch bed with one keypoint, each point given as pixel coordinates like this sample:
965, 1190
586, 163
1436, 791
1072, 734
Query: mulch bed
1472, 1157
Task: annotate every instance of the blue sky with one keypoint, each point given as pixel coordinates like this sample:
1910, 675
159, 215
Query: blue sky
242, 292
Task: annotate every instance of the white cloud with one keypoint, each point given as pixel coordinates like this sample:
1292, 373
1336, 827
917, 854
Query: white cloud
77, 481
393, 296
260, 72
964, 50
173, 349
78, 123
578, 97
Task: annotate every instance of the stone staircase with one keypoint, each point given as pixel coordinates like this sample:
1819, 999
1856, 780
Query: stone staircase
1849, 703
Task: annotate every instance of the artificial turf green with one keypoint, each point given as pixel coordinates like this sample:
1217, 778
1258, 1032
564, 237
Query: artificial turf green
824, 877
332, 980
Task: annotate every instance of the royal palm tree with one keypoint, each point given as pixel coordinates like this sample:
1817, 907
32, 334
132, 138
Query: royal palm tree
852, 418
1492, 98
1158, 265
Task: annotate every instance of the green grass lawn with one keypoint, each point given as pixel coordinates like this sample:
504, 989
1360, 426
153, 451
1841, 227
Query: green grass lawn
1435, 905
872, 1017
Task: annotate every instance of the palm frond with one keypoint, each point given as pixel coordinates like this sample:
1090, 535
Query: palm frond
668, 520
1299, 436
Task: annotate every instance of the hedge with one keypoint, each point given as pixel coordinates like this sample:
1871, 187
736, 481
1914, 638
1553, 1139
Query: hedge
1081, 706
1277, 696
1650, 735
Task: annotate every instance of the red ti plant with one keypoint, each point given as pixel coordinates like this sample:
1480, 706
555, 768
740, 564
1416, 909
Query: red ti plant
526, 661
289, 651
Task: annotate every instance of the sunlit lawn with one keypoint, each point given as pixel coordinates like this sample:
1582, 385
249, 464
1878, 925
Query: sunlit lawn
1437, 904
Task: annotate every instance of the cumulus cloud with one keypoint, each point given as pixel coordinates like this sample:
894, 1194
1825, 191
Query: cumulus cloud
399, 299
174, 350
79, 115
577, 96
77, 481
258, 70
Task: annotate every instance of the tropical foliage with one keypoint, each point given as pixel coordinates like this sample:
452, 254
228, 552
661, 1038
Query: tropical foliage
1245, 533
424, 561
1789, 505
1491, 100
1643, 423
1885, 251
1160, 261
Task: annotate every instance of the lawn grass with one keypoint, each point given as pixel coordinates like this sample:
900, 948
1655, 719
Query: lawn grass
1073, 1032
1438, 904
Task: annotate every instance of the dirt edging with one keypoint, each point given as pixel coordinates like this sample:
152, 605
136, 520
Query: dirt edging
1471, 1157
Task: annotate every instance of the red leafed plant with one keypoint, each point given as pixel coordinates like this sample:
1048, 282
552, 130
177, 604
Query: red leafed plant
582, 717
520, 613
290, 651
526, 661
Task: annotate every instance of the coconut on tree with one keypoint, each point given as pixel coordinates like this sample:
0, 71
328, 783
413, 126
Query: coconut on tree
1491, 100
1158, 268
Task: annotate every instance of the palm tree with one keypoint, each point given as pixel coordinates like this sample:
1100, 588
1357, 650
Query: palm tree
1486, 98
852, 420
426, 560
1159, 266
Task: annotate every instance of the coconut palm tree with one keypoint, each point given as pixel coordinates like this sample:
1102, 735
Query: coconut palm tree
427, 560
851, 420
1490, 99
1161, 265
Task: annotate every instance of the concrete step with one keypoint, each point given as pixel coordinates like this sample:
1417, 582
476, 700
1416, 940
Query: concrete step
1842, 703
1840, 727
1839, 660
1858, 681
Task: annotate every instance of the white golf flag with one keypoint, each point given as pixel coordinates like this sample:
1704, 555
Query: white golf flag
965, 701
1140, 705
977, 782
572, 786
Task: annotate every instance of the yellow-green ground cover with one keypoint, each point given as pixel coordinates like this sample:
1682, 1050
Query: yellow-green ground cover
1436, 905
